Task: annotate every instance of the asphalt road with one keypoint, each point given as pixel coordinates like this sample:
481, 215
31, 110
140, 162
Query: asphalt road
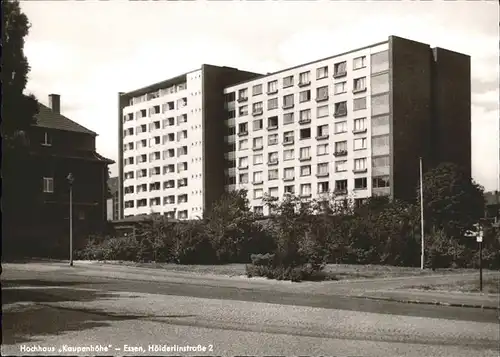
49, 309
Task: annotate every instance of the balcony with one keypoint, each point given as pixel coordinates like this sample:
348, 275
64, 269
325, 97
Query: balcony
359, 171
304, 121
272, 127
258, 148
358, 90
243, 167
243, 133
258, 182
340, 191
257, 112
242, 99
322, 137
322, 99
340, 153
340, 113
359, 131
288, 142
302, 84
322, 174
272, 91
305, 159
340, 74
288, 179
273, 162
288, 106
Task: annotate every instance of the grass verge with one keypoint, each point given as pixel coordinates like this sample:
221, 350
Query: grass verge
491, 285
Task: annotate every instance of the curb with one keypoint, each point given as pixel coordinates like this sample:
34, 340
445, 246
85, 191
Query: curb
436, 303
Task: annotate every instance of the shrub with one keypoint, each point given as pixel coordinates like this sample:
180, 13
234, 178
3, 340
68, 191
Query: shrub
110, 248
280, 272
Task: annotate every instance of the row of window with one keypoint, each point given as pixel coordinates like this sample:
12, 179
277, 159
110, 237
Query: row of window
155, 156
156, 186
156, 109
340, 187
154, 171
158, 93
156, 125
157, 201
304, 78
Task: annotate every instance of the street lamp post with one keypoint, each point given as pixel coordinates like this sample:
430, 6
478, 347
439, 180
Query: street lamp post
70, 181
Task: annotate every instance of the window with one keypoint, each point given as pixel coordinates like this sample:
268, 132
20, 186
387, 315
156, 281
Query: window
322, 131
181, 135
340, 109
182, 151
272, 122
129, 204
154, 171
272, 139
155, 186
305, 170
144, 172
272, 87
341, 185
288, 101
142, 188
157, 155
231, 114
243, 162
304, 78
360, 164
360, 144
380, 125
243, 110
359, 125
341, 127
182, 166
359, 103
258, 159
360, 183
257, 89
273, 157
243, 145
305, 153
272, 103
288, 137
305, 96
243, 178
305, 189
257, 177
273, 191
340, 87
381, 161
273, 174
258, 210
288, 81
380, 104
381, 181
379, 62
321, 93
182, 182
305, 116
258, 193
182, 119
340, 69
141, 158
323, 187
379, 83
242, 95
142, 203
290, 189
322, 111
288, 154
322, 72
169, 184
359, 62
341, 166
359, 84
168, 169
182, 198
289, 173
258, 143
257, 108
243, 128
47, 139
322, 169
305, 133
129, 175
258, 124
288, 118
340, 146
322, 149
48, 185
380, 141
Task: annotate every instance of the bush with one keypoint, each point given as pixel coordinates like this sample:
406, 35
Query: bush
110, 248
280, 272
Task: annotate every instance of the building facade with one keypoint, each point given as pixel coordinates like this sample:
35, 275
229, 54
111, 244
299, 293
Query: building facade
113, 201
171, 143
58, 147
354, 124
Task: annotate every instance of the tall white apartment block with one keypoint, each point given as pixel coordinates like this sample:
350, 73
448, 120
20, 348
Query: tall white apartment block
171, 162
354, 124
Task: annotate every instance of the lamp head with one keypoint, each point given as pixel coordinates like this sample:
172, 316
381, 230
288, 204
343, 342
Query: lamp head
70, 178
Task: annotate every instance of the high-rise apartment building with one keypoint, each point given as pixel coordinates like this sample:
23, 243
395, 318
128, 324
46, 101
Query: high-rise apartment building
354, 124
171, 143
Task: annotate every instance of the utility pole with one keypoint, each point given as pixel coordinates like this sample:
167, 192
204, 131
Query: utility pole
422, 249
70, 181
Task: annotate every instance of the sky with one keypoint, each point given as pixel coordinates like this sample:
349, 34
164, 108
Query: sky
88, 51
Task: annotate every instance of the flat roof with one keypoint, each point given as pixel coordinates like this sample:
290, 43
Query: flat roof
308, 63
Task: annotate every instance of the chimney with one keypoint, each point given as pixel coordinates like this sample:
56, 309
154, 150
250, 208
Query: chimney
55, 103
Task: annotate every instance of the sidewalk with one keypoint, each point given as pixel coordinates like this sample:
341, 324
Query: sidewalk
388, 289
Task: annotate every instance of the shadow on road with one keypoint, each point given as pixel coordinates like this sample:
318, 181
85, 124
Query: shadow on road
27, 314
